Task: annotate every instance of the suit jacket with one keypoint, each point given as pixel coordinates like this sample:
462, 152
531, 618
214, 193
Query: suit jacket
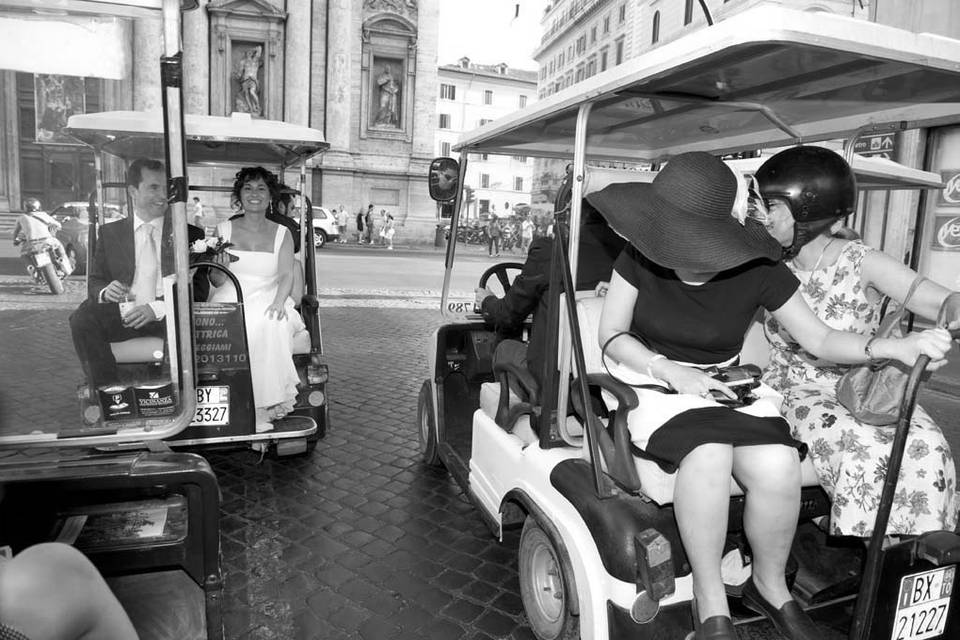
114, 258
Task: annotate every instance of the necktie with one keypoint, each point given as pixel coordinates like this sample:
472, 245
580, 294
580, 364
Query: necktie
144, 287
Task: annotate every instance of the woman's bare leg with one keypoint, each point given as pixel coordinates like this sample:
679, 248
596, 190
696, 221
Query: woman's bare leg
770, 475
52, 591
701, 499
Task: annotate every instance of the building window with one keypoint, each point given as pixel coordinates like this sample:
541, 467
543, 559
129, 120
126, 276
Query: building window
521, 158
551, 67
488, 97
484, 206
606, 24
522, 101
484, 156
593, 34
579, 75
444, 120
448, 92
445, 148
484, 180
603, 60
570, 53
623, 12
483, 121
619, 52
581, 44
655, 29
560, 60
591, 67
687, 12
518, 184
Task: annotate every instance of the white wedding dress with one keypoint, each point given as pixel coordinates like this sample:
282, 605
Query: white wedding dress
270, 341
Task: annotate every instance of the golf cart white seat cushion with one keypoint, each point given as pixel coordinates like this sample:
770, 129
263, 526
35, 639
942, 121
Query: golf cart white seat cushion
656, 483
490, 400
138, 350
301, 342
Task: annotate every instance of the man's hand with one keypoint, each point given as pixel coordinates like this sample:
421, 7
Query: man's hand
115, 291
480, 295
139, 317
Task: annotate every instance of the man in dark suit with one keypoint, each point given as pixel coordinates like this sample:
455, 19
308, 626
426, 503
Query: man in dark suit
124, 284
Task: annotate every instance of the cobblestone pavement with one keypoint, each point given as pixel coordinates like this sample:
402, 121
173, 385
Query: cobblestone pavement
361, 540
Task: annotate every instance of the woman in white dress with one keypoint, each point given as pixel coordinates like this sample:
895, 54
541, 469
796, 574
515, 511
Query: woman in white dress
265, 270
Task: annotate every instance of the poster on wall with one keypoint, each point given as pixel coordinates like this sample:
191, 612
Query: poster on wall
949, 196
56, 98
946, 233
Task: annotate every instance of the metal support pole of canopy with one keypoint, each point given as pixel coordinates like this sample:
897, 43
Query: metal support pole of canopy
452, 240
171, 78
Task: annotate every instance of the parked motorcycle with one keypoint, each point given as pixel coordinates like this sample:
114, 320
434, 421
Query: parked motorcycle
44, 265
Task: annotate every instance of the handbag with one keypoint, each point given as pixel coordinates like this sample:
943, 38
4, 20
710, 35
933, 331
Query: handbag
872, 392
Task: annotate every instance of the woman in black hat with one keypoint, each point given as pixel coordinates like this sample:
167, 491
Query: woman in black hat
681, 298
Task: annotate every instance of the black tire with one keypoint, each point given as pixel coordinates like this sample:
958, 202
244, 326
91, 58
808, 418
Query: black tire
545, 589
427, 426
49, 273
319, 238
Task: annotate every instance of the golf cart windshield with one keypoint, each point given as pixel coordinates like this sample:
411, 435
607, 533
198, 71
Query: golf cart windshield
79, 406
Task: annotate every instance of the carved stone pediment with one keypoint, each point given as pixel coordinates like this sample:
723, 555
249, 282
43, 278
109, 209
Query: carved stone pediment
246, 9
405, 8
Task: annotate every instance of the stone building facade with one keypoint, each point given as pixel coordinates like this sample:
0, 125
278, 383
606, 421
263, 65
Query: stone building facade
470, 95
362, 71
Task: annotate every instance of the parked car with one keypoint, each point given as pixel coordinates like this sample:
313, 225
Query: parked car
324, 226
74, 222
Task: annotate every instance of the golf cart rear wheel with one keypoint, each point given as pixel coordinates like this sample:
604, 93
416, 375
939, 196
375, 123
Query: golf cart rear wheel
544, 587
427, 423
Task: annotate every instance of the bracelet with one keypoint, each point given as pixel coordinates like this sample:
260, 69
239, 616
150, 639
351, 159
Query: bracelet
656, 356
868, 348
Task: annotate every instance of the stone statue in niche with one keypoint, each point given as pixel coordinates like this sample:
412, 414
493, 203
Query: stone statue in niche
247, 73
388, 86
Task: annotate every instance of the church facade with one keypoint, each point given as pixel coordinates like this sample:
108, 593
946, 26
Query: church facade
362, 71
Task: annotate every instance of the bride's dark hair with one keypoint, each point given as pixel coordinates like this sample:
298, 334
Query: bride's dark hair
247, 174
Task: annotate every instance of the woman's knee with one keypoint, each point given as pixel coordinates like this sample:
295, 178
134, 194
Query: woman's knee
767, 467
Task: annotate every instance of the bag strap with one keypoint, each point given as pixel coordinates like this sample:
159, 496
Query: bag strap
913, 288
603, 358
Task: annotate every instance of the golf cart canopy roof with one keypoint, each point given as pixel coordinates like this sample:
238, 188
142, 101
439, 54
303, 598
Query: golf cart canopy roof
764, 77
237, 139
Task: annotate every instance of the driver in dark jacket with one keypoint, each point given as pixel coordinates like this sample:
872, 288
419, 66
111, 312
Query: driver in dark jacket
599, 248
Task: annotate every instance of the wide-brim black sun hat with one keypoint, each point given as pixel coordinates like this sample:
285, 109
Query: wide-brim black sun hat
684, 218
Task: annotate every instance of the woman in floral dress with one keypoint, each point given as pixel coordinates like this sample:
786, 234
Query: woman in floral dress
844, 283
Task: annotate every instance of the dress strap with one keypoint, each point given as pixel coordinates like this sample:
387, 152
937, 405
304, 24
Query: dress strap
278, 238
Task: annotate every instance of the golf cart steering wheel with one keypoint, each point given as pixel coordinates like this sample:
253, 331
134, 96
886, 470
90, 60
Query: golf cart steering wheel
502, 271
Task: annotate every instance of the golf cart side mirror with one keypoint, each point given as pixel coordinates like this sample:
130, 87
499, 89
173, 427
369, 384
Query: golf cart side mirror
444, 179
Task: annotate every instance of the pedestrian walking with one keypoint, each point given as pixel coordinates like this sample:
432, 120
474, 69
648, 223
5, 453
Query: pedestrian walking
526, 234
493, 235
368, 224
388, 231
342, 225
360, 226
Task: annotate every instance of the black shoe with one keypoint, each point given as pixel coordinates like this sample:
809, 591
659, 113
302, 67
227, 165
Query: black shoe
790, 620
713, 628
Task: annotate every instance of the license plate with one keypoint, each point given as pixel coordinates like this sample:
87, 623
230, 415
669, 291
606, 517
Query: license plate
213, 406
42, 258
923, 604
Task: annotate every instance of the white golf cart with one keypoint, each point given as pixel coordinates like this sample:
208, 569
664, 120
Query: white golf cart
224, 415
599, 552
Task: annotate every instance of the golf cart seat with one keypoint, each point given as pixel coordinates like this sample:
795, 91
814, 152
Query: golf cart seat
301, 342
656, 483
142, 350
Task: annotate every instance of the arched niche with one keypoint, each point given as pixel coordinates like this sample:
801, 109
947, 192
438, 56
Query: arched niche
388, 68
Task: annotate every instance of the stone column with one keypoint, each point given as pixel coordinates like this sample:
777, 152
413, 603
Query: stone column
340, 101
147, 49
296, 90
196, 60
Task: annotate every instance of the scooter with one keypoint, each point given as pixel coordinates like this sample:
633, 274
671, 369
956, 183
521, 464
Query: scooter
44, 263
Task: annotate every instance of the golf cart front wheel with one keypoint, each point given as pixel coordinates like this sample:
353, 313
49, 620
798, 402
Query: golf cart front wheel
427, 423
545, 589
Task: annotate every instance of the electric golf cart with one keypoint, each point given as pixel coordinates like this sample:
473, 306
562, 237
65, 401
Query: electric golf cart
599, 551
224, 414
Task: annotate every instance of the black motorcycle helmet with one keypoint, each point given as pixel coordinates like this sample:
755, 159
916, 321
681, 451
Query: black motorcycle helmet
817, 184
32, 204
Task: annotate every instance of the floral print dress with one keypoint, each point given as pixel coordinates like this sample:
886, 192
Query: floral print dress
851, 457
